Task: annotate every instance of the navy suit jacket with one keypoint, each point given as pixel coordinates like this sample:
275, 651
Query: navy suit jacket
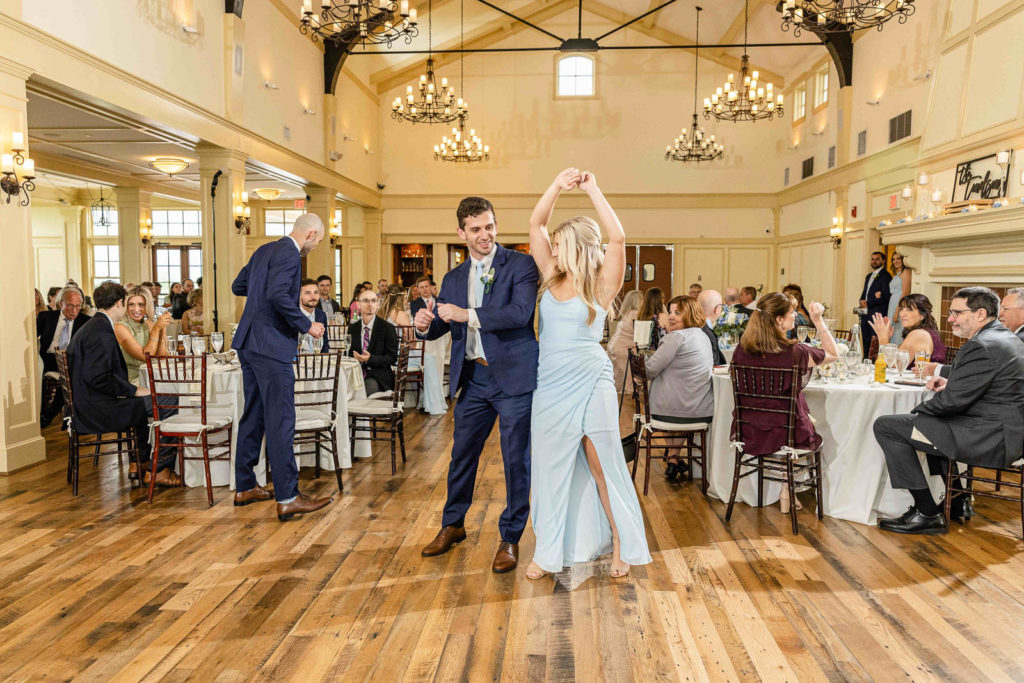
272, 320
46, 327
417, 304
506, 321
876, 303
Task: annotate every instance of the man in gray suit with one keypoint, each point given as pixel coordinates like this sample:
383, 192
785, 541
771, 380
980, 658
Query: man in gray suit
1011, 312
975, 417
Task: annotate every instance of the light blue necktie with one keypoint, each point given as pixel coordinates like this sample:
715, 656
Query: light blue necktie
478, 286
65, 336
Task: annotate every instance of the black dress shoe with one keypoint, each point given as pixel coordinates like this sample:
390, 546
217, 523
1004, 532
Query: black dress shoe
672, 471
961, 508
914, 522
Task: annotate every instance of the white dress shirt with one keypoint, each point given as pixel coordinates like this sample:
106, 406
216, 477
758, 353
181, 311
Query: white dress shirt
295, 242
62, 322
474, 344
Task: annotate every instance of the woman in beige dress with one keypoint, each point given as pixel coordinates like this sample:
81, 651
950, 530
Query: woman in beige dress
622, 339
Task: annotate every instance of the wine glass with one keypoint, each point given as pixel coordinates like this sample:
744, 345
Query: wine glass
317, 344
199, 345
217, 341
812, 332
186, 341
920, 358
902, 361
171, 344
801, 333
889, 352
852, 361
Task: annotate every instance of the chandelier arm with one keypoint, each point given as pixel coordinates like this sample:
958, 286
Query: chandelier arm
633, 21
746, 22
696, 63
602, 47
523, 21
579, 20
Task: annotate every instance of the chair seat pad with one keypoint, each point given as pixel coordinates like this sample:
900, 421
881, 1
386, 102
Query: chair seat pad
312, 419
660, 426
369, 406
191, 422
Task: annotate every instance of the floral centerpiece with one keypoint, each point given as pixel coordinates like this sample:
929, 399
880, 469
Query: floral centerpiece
729, 327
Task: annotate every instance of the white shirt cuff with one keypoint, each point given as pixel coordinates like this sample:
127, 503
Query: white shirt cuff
474, 322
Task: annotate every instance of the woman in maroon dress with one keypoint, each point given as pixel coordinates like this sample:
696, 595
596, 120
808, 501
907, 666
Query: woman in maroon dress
764, 343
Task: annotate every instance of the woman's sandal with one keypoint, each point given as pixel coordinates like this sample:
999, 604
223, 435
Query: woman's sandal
618, 573
533, 575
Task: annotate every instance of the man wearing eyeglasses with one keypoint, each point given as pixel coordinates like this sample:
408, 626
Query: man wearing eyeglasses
975, 417
1011, 311
374, 345
55, 330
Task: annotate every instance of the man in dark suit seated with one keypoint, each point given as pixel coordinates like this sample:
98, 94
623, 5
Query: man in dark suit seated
55, 330
875, 296
309, 302
265, 341
711, 304
1011, 311
975, 417
105, 401
748, 295
325, 285
425, 299
374, 344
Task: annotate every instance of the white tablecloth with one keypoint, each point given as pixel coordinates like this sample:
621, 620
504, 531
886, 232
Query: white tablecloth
225, 396
856, 482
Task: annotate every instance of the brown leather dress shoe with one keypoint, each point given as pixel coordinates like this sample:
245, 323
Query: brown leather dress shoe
255, 495
506, 559
445, 539
301, 505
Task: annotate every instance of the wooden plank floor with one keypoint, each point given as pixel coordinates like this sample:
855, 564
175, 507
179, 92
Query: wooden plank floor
105, 586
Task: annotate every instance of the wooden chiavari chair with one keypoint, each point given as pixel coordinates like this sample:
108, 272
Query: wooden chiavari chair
316, 398
374, 417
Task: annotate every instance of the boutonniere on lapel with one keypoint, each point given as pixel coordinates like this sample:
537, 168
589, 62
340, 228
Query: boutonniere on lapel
488, 280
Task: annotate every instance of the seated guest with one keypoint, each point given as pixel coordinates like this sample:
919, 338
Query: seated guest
187, 286
711, 305
802, 316
680, 372
391, 307
765, 343
40, 304
51, 298
920, 333
309, 302
141, 332
179, 305
192, 319
353, 306
976, 415
55, 330
1011, 311
731, 296
169, 301
425, 299
622, 340
325, 285
653, 308
105, 401
748, 295
695, 290
374, 344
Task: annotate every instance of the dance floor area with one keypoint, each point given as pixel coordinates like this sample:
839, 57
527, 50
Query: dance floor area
104, 586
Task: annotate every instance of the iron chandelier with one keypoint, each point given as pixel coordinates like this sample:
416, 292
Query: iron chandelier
692, 145
843, 16
359, 22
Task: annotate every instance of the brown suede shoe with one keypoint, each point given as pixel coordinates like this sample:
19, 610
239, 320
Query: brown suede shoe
506, 559
256, 495
443, 542
301, 505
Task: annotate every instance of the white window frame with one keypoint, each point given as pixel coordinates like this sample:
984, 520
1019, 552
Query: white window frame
285, 221
175, 218
112, 264
564, 61
800, 104
821, 88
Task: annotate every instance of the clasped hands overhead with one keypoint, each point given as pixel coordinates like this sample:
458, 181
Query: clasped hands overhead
573, 178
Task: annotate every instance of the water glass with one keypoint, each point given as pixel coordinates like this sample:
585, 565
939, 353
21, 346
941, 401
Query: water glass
199, 345
186, 341
171, 344
317, 344
217, 341
902, 361
889, 352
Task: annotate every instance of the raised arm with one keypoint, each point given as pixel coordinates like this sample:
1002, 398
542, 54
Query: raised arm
540, 242
614, 267
828, 344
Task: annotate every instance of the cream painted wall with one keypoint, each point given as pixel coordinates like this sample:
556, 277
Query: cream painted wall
807, 214
55, 247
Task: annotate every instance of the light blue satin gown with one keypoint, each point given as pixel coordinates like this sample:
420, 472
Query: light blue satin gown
576, 397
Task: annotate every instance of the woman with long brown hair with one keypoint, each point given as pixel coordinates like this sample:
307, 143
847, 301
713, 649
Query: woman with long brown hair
920, 332
653, 308
765, 343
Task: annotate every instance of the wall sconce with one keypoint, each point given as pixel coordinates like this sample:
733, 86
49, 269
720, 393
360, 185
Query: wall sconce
873, 103
335, 233
270, 86
835, 234
146, 231
242, 215
10, 185
309, 112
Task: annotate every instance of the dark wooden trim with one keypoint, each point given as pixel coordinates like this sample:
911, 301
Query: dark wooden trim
234, 7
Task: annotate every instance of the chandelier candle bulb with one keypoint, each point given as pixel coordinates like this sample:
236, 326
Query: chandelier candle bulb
7, 163
404, 8
307, 6
28, 169
412, 16
247, 212
17, 140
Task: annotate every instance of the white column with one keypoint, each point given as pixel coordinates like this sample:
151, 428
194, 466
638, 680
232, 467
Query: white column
20, 442
133, 206
322, 203
224, 249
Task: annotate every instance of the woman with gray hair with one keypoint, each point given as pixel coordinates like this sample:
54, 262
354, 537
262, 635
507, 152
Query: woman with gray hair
622, 339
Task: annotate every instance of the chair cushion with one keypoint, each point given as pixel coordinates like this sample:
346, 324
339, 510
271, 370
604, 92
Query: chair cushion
380, 395
312, 419
660, 426
369, 406
191, 422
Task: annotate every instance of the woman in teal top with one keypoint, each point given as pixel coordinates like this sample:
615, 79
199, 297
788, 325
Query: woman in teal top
139, 334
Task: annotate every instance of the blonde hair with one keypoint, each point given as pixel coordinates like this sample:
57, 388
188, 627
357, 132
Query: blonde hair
630, 302
146, 295
195, 298
579, 256
393, 300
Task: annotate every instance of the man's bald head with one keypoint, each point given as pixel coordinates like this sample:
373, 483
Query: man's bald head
710, 302
732, 295
308, 230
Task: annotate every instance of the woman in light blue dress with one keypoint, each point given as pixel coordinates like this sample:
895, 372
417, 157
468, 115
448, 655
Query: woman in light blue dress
582, 501
899, 287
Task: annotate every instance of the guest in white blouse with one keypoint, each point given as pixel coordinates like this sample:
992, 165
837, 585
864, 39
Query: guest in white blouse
680, 372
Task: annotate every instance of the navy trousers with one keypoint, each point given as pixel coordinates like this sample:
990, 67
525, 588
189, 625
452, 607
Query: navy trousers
269, 387
480, 402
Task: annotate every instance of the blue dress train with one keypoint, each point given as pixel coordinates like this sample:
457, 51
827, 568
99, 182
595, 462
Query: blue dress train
576, 397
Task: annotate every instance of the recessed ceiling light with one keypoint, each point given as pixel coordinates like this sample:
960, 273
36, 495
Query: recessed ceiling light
169, 165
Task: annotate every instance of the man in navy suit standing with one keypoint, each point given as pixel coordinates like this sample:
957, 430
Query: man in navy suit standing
487, 303
875, 297
266, 340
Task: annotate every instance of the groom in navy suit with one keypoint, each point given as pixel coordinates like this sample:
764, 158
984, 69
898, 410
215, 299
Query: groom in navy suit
487, 303
266, 340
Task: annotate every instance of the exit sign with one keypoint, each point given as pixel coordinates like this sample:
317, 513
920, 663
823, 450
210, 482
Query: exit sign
893, 201
301, 203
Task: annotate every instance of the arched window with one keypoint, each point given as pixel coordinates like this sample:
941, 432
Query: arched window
575, 76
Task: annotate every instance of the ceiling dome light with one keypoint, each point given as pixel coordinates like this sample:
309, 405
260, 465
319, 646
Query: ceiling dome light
268, 194
169, 165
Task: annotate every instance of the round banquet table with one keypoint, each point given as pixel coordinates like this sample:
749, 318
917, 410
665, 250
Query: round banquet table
225, 396
856, 482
